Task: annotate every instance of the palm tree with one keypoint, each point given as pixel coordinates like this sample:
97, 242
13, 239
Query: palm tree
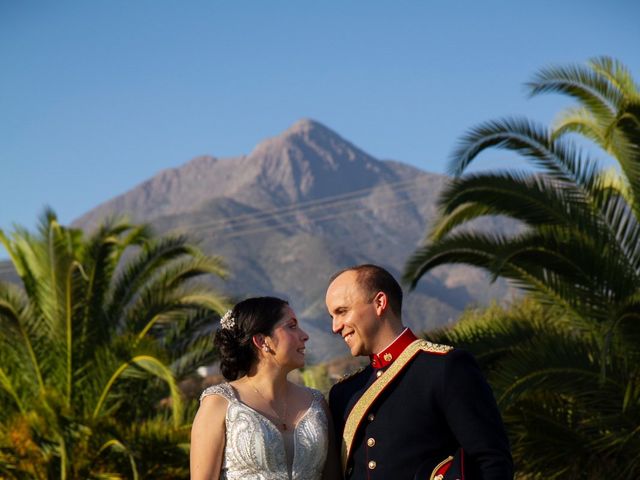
579, 250
581, 244
607, 114
93, 346
563, 422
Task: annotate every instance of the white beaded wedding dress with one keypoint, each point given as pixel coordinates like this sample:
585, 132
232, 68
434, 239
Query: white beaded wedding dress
256, 450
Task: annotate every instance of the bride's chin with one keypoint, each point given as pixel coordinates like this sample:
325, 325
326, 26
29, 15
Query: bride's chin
294, 365
298, 364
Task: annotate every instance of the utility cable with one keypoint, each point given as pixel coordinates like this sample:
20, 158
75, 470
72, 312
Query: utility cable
341, 200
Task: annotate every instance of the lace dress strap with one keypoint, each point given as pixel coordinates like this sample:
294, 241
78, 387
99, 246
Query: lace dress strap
317, 394
224, 390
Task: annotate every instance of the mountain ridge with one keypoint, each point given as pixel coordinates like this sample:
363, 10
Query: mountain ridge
300, 206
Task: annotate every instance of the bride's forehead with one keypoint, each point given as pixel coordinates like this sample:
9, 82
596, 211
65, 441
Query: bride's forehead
287, 314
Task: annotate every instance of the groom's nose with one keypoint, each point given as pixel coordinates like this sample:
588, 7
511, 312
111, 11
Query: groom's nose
336, 325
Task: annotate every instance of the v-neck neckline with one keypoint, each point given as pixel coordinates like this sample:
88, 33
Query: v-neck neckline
265, 417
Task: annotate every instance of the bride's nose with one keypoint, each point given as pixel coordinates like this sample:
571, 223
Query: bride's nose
304, 335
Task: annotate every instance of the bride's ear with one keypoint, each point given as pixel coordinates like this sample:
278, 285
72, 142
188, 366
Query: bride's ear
260, 342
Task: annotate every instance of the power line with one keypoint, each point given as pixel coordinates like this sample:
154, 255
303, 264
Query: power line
311, 203
279, 216
325, 203
320, 219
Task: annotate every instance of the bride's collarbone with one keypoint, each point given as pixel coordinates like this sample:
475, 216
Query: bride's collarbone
286, 411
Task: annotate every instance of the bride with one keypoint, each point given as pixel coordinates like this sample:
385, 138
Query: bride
259, 425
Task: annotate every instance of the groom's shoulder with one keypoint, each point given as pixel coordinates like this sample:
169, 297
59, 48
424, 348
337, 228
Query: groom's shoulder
351, 380
351, 376
431, 355
434, 348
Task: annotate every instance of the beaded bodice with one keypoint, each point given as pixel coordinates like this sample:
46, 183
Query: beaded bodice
255, 449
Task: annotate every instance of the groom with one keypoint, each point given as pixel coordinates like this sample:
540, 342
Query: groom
416, 404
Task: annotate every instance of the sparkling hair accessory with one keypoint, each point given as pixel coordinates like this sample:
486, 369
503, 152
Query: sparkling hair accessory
227, 321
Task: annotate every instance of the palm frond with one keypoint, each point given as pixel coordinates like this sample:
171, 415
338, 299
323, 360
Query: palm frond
629, 151
180, 335
622, 229
589, 87
154, 367
546, 375
201, 353
139, 270
16, 323
617, 74
532, 199
581, 121
118, 447
559, 158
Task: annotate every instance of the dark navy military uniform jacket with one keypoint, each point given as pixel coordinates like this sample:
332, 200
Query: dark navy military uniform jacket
436, 404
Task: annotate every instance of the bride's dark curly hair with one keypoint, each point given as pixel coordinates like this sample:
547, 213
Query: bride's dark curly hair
250, 317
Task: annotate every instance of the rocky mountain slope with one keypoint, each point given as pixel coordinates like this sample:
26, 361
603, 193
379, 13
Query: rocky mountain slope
299, 207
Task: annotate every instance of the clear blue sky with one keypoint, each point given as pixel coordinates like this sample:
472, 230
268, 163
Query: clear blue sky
97, 96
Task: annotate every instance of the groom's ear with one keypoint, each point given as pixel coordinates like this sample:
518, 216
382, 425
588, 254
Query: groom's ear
380, 303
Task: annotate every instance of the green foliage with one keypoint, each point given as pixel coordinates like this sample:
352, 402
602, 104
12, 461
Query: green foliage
317, 376
571, 384
564, 422
93, 346
580, 242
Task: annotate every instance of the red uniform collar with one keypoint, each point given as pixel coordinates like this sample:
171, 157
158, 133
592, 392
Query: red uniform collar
389, 354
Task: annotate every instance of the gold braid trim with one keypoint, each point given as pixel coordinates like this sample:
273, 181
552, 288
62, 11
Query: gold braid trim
369, 396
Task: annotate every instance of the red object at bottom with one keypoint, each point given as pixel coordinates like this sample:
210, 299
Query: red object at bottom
444, 467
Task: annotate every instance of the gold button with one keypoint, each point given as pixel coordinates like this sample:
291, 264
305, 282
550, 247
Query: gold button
371, 442
378, 373
372, 464
370, 417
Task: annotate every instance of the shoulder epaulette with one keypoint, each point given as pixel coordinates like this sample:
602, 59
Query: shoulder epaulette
438, 349
347, 376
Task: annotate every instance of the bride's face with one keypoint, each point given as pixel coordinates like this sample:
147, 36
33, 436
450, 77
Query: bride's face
289, 340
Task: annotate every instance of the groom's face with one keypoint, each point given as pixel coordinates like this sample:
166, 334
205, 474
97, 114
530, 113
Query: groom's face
353, 315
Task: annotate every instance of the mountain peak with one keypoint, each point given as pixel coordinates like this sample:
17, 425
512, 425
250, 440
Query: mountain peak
309, 135
309, 161
306, 125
